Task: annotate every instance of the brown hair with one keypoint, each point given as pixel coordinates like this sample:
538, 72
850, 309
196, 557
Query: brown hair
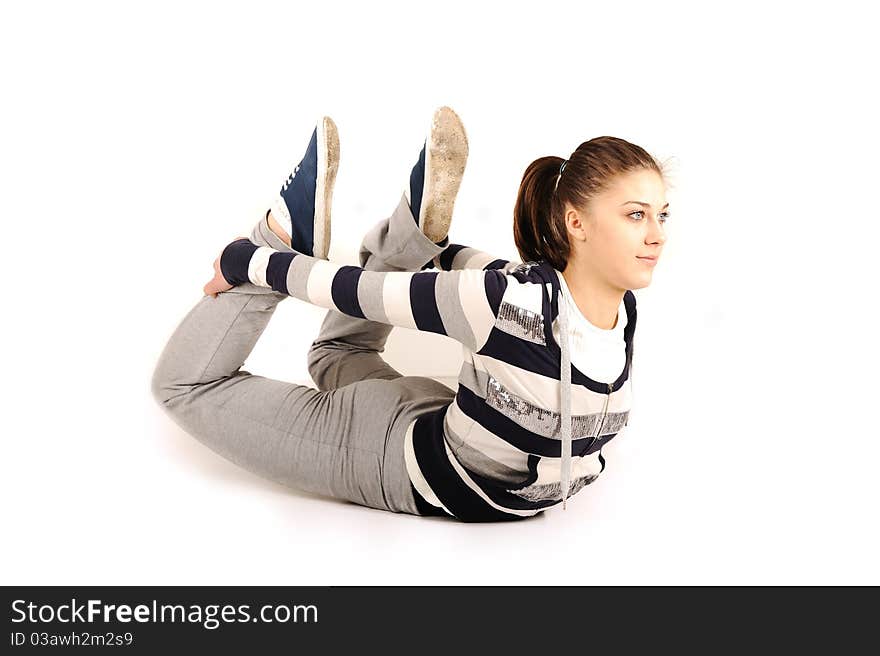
538, 220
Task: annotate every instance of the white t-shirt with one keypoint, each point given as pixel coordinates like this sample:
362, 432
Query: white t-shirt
597, 353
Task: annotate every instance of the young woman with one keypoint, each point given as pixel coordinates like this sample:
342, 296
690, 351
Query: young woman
548, 343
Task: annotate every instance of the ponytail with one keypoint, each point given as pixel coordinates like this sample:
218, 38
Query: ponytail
538, 226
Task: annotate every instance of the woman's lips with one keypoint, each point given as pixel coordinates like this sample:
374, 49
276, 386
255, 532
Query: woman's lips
647, 260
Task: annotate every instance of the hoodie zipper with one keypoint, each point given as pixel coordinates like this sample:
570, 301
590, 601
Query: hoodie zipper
604, 414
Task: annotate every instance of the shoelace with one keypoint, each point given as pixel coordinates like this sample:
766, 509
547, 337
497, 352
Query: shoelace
290, 178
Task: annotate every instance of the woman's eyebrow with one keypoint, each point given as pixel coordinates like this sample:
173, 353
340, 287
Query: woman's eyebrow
638, 202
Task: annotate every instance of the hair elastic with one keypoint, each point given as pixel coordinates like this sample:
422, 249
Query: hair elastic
558, 177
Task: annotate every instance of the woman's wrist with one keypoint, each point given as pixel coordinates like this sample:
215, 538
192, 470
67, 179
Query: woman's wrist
235, 261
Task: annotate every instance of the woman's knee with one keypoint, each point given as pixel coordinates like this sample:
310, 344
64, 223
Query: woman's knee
169, 386
332, 365
319, 361
163, 386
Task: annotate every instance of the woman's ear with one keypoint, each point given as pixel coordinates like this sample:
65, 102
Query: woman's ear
575, 223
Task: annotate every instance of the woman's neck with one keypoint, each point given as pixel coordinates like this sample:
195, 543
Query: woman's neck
597, 301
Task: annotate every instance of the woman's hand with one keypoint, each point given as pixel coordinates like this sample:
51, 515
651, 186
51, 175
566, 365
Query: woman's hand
218, 283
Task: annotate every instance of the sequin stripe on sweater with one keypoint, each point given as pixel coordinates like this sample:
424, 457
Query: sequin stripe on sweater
462, 304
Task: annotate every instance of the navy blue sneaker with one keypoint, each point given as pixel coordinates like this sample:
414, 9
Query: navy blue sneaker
302, 207
436, 176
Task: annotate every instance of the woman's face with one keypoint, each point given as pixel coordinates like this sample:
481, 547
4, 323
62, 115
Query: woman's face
614, 234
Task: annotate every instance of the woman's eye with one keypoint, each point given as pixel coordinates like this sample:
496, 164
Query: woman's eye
662, 214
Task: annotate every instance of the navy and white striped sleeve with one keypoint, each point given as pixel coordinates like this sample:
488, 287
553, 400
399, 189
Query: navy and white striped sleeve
459, 256
461, 304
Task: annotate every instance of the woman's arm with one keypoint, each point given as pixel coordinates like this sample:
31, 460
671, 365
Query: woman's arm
459, 256
462, 304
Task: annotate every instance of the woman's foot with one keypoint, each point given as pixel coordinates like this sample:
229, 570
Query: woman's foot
275, 227
436, 176
300, 215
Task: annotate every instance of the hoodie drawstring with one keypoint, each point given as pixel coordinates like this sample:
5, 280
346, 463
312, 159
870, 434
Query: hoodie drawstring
565, 400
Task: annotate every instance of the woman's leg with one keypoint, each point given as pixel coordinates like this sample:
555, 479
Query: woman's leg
348, 349
344, 443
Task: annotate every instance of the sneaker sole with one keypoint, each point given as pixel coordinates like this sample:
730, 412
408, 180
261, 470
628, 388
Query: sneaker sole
445, 160
328, 165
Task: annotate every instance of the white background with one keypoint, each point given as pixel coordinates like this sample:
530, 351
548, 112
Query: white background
138, 140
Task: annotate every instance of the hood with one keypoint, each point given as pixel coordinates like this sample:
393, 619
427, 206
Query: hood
564, 398
547, 274
554, 306
558, 307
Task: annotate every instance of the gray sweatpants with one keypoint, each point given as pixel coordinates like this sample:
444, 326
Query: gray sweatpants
342, 440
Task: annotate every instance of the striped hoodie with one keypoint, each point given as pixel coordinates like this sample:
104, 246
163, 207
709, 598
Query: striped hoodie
525, 424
